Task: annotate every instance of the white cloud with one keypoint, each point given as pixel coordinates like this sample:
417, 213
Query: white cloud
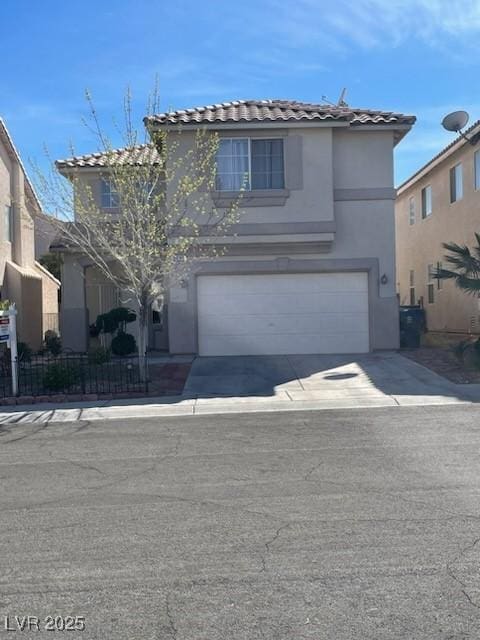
374, 23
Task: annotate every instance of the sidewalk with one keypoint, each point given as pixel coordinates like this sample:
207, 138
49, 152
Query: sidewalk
184, 405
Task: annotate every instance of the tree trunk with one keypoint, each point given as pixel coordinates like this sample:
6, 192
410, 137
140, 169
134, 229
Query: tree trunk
142, 341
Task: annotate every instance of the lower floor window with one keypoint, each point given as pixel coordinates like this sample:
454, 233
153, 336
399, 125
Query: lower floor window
431, 293
412, 296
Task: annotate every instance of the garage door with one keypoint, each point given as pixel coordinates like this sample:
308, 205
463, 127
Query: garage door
283, 314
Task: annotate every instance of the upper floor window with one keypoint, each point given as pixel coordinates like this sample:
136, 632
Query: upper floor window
476, 163
426, 201
411, 210
250, 164
8, 224
110, 199
456, 183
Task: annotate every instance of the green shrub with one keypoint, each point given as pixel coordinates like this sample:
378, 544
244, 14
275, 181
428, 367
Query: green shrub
123, 344
53, 344
60, 376
115, 319
99, 355
476, 351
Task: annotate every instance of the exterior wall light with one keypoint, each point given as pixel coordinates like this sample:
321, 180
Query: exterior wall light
384, 279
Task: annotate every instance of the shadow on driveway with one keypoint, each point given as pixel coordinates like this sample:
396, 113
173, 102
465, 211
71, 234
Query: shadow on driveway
312, 377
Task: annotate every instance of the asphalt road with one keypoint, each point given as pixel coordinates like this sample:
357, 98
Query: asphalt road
321, 525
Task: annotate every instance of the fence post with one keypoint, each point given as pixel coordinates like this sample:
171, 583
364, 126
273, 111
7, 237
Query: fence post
10, 334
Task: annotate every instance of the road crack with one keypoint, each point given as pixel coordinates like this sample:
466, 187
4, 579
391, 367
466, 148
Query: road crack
171, 620
455, 577
271, 541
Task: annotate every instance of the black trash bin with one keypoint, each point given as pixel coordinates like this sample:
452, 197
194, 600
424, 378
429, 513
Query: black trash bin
412, 325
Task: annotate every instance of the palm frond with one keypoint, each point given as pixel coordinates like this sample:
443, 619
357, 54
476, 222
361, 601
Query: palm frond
464, 266
469, 285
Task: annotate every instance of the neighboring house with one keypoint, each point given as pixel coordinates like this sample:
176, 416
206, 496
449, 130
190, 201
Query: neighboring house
309, 268
45, 232
439, 203
23, 280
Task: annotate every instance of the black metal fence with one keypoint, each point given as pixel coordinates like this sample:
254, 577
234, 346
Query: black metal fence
73, 374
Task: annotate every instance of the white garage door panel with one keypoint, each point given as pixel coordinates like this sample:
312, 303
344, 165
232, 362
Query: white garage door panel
310, 323
283, 314
285, 303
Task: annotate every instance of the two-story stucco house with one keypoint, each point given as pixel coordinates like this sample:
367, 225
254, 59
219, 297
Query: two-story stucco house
23, 280
439, 203
310, 266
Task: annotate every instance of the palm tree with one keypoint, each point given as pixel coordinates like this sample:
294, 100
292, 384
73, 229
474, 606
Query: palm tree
464, 266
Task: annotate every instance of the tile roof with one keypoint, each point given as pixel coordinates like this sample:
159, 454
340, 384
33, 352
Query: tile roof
138, 155
278, 111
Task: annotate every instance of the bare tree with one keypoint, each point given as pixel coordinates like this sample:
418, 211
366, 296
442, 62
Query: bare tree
163, 186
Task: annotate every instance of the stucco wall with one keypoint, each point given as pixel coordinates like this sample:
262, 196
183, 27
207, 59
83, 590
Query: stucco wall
25, 290
357, 191
73, 319
420, 244
5, 199
45, 232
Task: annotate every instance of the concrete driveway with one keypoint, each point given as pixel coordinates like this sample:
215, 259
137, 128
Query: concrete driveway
314, 377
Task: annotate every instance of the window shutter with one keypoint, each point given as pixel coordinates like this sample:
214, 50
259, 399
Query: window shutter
293, 159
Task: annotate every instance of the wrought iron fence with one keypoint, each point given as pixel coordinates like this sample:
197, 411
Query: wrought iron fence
72, 374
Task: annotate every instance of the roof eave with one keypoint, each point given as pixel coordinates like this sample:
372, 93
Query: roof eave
13, 150
445, 153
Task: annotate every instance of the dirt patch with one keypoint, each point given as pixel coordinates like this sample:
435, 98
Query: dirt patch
444, 362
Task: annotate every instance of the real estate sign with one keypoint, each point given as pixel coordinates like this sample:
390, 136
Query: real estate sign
5, 329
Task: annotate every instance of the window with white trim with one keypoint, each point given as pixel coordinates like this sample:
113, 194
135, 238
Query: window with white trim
476, 164
456, 183
430, 285
439, 280
412, 287
411, 210
8, 223
110, 199
250, 163
426, 201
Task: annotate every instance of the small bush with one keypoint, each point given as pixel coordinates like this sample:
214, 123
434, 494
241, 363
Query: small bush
99, 355
24, 352
93, 330
60, 376
123, 344
460, 349
476, 351
53, 344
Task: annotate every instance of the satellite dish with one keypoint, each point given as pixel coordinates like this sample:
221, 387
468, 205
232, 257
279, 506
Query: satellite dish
455, 121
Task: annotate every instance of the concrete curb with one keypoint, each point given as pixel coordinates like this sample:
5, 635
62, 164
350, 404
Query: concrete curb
187, 406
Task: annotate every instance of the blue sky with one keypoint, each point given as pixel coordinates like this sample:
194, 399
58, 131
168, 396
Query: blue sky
415, 56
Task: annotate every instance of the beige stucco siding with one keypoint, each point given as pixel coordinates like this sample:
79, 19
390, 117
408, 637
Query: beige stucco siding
420, 244
362, 159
